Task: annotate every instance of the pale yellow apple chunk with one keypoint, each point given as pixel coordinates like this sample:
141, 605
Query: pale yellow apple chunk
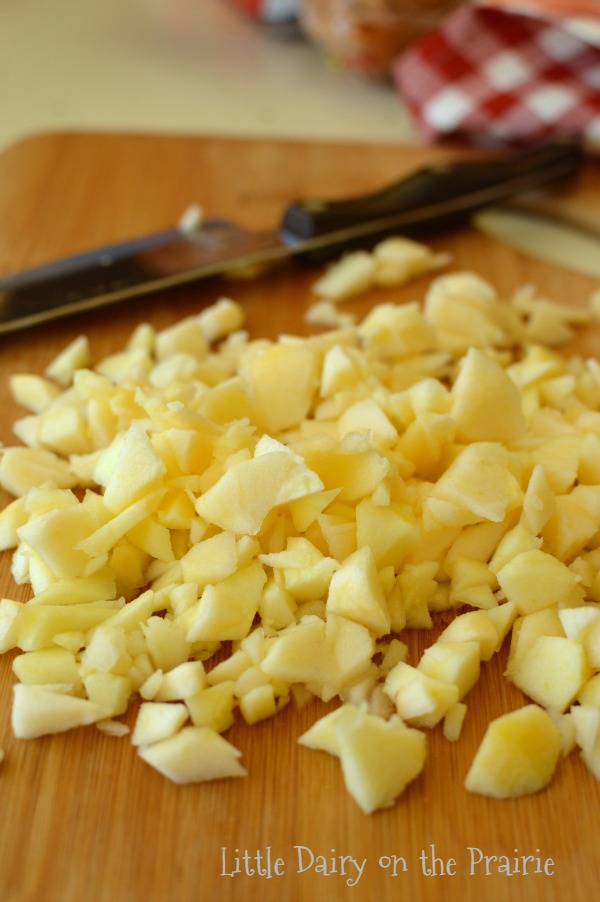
486, 404
227, 609
535, 580
379, 758
282, 380
194, 755
39, 710
517, 756
24, 468
456, 663
138, 471
355, 592
241, 499
477, 486
157, 721
552, 672
419, 698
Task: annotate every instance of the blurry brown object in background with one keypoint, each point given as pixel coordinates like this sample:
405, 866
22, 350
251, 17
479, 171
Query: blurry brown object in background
365, 36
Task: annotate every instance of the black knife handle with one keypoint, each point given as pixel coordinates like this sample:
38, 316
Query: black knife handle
437, 196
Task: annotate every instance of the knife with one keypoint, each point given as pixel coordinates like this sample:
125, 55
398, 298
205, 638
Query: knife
314, 231
540, 230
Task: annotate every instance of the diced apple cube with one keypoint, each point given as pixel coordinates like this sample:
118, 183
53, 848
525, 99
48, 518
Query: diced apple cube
193, 755
48, 665
355, 592
306, 572
213, 707
352, 275
390, 532
167, 643
391, 330
486, 402
526, 630
456, 663
420, 699
473, 625
110, 691
39, 710
33, 391
258, 704
39, 624
10, 615
24, 468
282, 380
106, 651
378, 757
535, 579
399, 259
181, 682
586, 719
478, 485
247, 491
75, 356
226, 610
210, 560
552, 672
220, 319
137, 471
277, 606
453, 721
539, 502
158, 720
517, 756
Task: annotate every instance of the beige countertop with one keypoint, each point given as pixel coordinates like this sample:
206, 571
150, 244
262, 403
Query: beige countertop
183, 66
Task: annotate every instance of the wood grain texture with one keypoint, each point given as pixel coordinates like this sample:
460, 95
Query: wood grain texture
82, 817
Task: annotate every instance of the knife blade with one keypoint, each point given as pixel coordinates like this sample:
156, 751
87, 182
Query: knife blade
315, 231
572, 245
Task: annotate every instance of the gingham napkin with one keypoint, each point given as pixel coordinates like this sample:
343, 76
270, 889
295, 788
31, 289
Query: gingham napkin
507, 72
270, 11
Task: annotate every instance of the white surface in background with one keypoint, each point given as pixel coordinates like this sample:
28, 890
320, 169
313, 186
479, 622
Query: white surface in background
186, 66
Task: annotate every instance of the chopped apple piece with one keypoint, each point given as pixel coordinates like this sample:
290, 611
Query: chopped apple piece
552, 672
214, 706
158, 720
48, 665
76, 356
421, 699
478, 485
355, 592
21, 469
193, 755
258, 704
517, 756
453, 721
227, 609
481, 379
352, 275
535, 579
586, 719
247, 491
110, 691
39, 710
378, 757
456, 663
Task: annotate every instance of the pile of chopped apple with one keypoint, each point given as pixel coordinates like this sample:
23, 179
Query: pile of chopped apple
214, 525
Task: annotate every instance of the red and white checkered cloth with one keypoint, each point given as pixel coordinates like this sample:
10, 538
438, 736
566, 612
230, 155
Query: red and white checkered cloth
270, 11
503, 72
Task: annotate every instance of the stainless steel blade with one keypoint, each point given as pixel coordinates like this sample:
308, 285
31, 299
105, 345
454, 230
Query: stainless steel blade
547, 238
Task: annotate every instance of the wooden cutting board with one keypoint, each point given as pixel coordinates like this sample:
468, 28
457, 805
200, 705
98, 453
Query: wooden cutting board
82, 817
